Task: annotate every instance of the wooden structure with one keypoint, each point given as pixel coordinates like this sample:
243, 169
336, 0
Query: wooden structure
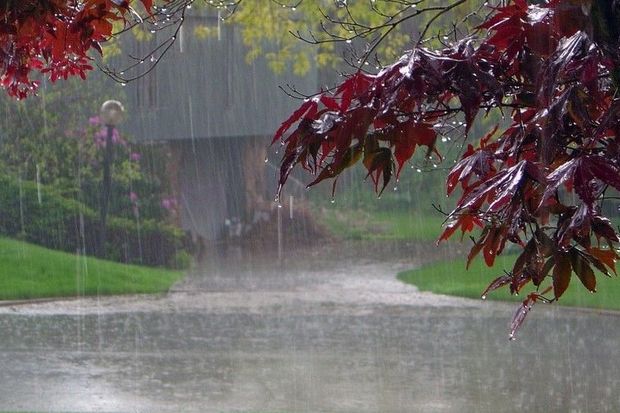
217, 113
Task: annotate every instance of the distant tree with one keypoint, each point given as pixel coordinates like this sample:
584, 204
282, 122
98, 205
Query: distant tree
538, 179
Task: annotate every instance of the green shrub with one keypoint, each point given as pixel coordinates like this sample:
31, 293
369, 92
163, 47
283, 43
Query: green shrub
182, 260
43, 217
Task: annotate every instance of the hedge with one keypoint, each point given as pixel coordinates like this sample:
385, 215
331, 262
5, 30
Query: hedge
44, 217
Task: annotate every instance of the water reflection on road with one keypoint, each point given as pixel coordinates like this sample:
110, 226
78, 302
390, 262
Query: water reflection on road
302, 337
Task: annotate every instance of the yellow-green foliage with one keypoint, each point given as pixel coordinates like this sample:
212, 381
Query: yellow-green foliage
205, 32
272, 28
265, 25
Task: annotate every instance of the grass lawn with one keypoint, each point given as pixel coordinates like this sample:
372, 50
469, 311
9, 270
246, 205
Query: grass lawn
451, 278
382, 225
29, 271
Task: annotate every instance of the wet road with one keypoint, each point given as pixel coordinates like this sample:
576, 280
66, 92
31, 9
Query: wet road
309, 335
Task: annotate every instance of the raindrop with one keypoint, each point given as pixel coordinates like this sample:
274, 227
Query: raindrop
484, 297
38, 184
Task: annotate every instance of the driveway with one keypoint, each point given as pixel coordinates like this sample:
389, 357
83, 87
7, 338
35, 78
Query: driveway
327, 330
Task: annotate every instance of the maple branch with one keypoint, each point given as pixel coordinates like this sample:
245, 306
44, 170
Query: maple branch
382, 30
162, 18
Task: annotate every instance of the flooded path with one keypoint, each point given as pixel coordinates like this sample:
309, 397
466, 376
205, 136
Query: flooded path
321, 332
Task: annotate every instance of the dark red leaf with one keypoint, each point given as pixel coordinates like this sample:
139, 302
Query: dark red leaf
519, 316
566, 52
489, 251
598, 264
478, 163
403, 151
604, 169
558, 177
582, 269
497, 283
407, 137
603, 229
448, 231
523, 258
330, 103
519, 281
351, 156
148, 4
473, 252
498, 190
606, 256
379, 162
308, 107
561, 273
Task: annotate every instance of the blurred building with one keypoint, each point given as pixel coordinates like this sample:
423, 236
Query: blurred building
217, 113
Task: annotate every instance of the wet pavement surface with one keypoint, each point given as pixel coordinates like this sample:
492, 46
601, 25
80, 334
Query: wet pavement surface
323, 331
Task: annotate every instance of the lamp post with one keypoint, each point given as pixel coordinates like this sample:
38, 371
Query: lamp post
111, 114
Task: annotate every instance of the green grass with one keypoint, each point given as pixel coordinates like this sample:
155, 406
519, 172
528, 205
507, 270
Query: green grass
397, 224
29, 271
451, 278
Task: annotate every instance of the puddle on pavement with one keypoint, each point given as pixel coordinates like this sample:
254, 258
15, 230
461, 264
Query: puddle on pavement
316, 341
